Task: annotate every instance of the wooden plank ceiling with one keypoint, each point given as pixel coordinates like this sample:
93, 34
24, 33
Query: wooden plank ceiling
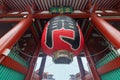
20, 5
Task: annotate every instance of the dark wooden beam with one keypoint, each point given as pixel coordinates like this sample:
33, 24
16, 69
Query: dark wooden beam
81, 68
12, 36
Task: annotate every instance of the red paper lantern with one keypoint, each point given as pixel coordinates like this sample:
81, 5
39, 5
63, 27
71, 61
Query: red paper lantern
62, 34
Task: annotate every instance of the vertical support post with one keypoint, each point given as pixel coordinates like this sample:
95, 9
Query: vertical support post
39, 25
80, 64
86, 28
88, 33
83, 24
32, 63
34, 33
42, 66
91, 64
112, 34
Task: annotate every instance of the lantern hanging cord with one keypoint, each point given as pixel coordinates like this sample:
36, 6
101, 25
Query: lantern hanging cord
100, 34
26, 54
109, 45
100, 51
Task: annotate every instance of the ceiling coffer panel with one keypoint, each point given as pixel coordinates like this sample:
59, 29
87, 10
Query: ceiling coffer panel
20, 5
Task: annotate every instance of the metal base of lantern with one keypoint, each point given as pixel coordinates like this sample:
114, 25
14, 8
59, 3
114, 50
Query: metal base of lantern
62, 57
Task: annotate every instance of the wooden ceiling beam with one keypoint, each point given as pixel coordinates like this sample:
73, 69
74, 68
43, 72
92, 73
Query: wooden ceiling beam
45, 5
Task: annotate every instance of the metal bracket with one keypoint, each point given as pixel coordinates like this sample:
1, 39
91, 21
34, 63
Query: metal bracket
118, 51
6, 52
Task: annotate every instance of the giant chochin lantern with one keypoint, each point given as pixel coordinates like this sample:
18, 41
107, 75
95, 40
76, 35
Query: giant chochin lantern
62, 39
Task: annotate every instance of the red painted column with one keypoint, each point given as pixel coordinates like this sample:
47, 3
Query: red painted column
112, 34
11, 37
91, 64
32, 63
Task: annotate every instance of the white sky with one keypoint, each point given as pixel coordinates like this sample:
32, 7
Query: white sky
61, 71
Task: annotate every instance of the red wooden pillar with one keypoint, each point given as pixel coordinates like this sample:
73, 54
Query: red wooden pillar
112, 34
91, 64
32, 63
11, 37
